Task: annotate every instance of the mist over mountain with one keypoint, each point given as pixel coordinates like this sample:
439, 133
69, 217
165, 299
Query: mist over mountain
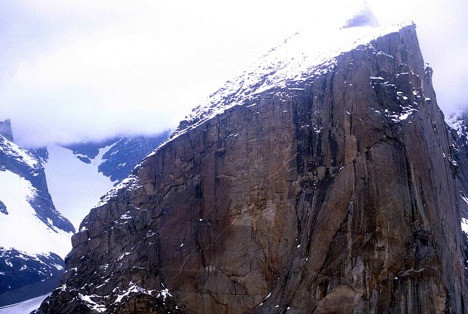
78, 71
323, 178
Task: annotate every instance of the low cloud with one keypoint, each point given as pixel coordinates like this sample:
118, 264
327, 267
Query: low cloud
86, 70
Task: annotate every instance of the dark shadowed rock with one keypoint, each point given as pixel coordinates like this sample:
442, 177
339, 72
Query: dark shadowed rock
5, 130
333, 194
3, 208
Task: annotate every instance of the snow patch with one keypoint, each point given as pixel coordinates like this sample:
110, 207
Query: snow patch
122, 256
99, 159
128, 184
464, 198
133, 288
57, 266
99, 308
381, 53
126, 216
464, 225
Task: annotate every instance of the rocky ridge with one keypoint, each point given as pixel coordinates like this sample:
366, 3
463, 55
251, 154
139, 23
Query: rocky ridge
5, 130
321, 185
27, 165
34, 233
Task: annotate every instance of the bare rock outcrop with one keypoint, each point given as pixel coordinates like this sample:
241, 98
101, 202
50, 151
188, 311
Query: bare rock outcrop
334, 194
5, 129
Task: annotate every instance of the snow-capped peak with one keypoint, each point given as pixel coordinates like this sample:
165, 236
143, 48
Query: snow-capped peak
311, 52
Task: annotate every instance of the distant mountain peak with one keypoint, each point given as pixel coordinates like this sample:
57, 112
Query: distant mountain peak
5, 129
34, 233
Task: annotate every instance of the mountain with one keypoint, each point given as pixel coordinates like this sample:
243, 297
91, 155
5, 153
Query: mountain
5, 130
458, 123
35, 237
119, 155
79, 174
322, 180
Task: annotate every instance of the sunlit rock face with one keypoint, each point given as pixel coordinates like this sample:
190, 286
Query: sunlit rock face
333, 193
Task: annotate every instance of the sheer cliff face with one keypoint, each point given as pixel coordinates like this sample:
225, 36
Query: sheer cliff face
335, 194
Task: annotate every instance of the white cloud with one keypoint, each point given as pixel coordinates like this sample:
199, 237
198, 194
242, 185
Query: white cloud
90, 69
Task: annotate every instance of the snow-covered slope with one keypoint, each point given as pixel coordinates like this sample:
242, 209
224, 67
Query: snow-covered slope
21, 229
29, 221
34, 236
75, 186
79, 174
23, 307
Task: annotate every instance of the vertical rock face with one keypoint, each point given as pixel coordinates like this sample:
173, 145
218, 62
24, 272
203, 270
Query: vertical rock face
330, 194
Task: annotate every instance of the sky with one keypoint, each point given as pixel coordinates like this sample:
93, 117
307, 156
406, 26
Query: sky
76, 70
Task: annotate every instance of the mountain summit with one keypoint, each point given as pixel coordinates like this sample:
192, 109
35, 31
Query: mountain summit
322, 180
5, 130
